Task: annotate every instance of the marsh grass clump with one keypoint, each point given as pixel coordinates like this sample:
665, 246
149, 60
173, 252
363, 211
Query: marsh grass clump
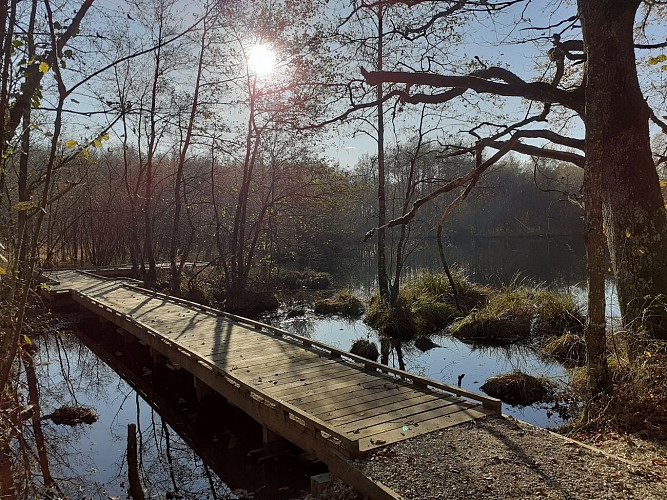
435, 288
72, 415
365, 349
306, 279
426, 304
517, 312
569, 349
518, 388
343, 302
556, 312
396, 322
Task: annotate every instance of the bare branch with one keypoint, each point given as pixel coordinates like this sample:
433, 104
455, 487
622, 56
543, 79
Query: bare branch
481, 81
406, 218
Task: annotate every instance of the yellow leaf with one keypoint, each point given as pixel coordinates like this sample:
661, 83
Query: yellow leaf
663, 184
85, 152
97, 143
628, 233
44, 67
3, 270
27, 340
105, 137
71, 144
21, 206
647, 354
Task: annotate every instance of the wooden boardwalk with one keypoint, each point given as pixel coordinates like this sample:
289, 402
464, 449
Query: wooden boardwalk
322, 399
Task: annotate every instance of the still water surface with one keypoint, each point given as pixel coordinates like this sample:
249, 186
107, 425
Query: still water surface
90, 461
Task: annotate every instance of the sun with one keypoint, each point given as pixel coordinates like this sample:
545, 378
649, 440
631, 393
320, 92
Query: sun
261, 60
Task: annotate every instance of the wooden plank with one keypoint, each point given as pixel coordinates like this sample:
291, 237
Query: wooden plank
230, 354
385, 423
311, 396
361, 400
397, 410
297, 387
317, 378
248, 361
338, 416
400, 413
281, 366
209, 343
301, 367
371, 442
342, 399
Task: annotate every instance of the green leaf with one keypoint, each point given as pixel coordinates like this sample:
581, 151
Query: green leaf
17, 43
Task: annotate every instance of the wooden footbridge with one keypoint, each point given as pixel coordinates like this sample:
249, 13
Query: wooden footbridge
330, 403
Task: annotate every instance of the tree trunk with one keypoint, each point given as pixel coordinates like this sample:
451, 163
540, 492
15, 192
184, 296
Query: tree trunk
618, 153
136, 492
383, 279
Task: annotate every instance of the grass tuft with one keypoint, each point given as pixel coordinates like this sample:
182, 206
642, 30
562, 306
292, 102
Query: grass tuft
569, 349
365, 349
517, 313
396, 322
518, 388
343, 302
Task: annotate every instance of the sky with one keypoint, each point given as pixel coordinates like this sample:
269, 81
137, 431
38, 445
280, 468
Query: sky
500, 40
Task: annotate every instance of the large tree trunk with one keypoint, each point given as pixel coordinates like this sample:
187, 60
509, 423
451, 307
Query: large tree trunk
618, 148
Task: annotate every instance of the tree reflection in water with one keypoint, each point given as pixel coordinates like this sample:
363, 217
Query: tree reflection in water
45, 460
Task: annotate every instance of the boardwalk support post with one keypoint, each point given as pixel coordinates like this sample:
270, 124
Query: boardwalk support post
202, 390
319, 483
274, 444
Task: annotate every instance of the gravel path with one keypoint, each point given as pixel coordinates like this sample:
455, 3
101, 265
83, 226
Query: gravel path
500, 458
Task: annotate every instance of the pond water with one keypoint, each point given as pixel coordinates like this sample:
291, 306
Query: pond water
174, 431
90, 461
557, 263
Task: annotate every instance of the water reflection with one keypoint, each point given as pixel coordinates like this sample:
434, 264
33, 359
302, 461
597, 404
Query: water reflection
89, 461
184, 446
555, 261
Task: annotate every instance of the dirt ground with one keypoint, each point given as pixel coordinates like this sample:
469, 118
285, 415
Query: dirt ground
498, 458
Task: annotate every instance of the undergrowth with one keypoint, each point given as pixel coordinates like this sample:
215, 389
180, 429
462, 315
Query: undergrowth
519, 312
426, 304
343, 302
638, 401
